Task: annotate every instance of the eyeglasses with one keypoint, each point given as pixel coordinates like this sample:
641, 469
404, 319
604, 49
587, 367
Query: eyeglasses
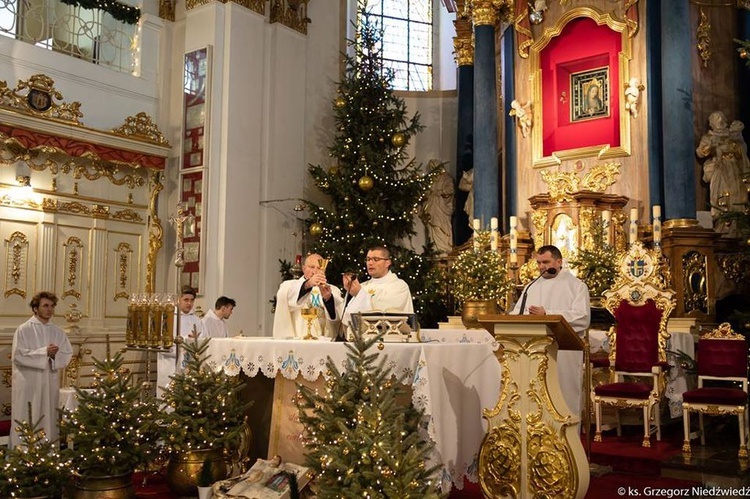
375, 259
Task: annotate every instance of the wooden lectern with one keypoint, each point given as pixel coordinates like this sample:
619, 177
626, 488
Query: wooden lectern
532, 447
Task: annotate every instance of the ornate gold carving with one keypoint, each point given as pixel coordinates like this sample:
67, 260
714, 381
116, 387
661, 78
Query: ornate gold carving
21, 99
539, 220
695, 281
7, 377
166, 9
8, 200
155, 231
127, 215
586, 217
722, 332
124, 254
736, 267
463, 42
258, 6
562, 185
99, 211
17, 260
604, 151
703, 35
290, 13
550, 463
618, 220
141, 127
73, 256
73, 317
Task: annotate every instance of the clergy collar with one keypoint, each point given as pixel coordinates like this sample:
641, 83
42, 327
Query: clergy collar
380, 279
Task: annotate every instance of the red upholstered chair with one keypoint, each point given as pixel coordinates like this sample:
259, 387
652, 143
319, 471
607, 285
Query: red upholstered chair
722, 357
641, 302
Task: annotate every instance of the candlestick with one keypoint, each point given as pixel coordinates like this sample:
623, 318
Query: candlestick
633, 233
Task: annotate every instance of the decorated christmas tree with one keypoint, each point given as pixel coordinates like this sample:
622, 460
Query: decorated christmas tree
113, 429
205, 409
597, 266
35, 467
375, 193
361, 439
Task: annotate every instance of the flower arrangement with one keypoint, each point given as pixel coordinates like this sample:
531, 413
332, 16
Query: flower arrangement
479, 273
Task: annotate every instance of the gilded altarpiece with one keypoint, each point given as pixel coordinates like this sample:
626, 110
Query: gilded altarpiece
78, 216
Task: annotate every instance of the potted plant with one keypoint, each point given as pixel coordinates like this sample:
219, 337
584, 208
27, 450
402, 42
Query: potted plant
479, 280
113, 432
35, 468
203, 415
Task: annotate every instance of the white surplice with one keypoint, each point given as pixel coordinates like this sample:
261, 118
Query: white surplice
382, 294
288, 321
36, 376
568, 296
166, 362
214, 326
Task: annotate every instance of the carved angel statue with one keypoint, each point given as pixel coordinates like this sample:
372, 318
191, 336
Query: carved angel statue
540, 5
522, 112
633, 90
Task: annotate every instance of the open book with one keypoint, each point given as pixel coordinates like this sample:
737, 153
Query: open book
267, 479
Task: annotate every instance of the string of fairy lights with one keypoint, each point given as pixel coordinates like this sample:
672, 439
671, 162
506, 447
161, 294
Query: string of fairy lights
118, 10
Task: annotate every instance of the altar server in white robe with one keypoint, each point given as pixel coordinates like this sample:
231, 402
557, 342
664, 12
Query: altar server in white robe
559, 292
215, 321
310, 290
384, 292
190, 327
40, 351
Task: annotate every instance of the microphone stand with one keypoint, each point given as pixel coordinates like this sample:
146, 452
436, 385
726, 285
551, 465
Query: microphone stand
339, 336
550, 271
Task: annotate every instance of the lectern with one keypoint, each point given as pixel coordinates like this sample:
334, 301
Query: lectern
532, 447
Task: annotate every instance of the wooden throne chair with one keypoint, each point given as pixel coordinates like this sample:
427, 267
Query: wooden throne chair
641, 302
722, 359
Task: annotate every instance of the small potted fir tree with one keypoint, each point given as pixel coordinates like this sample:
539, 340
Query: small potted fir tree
113, 432
203, 416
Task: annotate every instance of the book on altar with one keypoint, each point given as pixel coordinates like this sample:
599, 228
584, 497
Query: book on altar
267, 479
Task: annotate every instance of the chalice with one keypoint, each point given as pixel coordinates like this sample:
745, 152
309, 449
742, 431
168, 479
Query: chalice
309, 313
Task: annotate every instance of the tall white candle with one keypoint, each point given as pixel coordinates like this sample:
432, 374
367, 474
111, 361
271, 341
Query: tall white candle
475, 225
513, 239
657, 224
493, 223
633, 233
606, 219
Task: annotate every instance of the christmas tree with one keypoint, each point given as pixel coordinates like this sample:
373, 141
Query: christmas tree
113, 429
597, 266
361, 440
374, 192
35, 467
206, 409
744, 50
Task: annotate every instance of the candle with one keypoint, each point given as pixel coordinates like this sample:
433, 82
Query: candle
475, 225
606, 219
633, 234
493, 223
513, 240
657, 225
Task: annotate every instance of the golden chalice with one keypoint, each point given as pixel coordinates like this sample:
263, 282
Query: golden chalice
310, 314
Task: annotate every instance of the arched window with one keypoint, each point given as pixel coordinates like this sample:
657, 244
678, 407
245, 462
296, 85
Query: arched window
407, 40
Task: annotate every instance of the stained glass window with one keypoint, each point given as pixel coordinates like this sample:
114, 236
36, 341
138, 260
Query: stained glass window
407, 40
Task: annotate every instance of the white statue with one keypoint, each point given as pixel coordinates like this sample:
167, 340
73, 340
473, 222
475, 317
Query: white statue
633, 91
466, 184
438, 212
727, 167
522, 112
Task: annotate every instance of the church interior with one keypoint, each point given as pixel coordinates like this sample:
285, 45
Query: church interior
154, 144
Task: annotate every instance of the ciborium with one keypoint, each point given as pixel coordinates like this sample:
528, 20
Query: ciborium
310, 314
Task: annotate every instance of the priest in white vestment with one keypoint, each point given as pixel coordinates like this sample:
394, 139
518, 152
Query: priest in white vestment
558, 292
384, 292
310, 290
215, 321
190, 327
40, 351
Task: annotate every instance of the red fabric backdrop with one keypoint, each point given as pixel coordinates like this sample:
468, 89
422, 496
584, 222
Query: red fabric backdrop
582, 45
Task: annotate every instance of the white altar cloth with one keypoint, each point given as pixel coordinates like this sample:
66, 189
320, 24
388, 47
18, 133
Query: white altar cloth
453, 378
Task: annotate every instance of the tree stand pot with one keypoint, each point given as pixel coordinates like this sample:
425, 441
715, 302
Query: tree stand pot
111, 487
183, 469
473, 309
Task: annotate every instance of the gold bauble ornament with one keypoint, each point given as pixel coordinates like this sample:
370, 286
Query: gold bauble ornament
339, 102
366, 183
334, 170
744, 54
350, 225
381, 346
345, 451
398, 139
316, 229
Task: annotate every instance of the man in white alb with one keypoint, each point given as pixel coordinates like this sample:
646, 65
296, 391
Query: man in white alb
384, 292
215, 321
559, 292
40, 350
190, 327
310, 290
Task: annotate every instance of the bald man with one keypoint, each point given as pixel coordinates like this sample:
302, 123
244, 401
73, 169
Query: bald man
295, 294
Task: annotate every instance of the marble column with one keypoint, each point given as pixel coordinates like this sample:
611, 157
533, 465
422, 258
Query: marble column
653, 83
486, 178
464, 55
508, 47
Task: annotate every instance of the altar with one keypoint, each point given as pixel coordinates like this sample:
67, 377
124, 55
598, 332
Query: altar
453, 375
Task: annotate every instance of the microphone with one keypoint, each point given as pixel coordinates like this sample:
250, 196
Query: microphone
550, 271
